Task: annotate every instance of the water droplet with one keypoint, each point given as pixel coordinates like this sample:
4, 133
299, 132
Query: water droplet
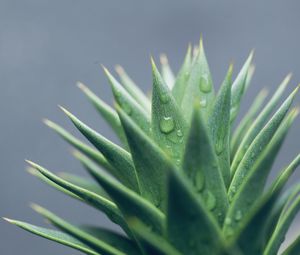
210, 200
228, 221
199, 181
233, 189
205, 84
164, 98
167, 125
219, 146
179, 133
203, 102
178, 162
238, 215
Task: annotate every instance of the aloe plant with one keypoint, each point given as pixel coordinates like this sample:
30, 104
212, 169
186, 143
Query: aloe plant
184, 181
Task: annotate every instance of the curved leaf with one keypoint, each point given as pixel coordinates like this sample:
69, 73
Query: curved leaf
89, 240
167, 72
133, 89
138, 114
259, 144
247, 121
258, 124
131, 204
53, 235
101, 203
106, 112
115, 155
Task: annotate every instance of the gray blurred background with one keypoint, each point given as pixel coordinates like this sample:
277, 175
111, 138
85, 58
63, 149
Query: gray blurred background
46, 46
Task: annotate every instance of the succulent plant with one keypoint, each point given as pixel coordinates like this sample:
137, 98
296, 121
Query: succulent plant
184, 180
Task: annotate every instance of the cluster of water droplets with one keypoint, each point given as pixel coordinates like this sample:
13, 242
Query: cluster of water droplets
168, 127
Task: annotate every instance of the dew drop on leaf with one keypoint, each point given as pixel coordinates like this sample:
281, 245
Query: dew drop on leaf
167, 125
164, 98
199, 181
203, 102
238, 215
205, 84
210, 201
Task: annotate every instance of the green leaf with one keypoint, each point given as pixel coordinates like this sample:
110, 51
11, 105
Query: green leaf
133, 89
178, 90
37, 174
258, 124
188, 217
294, 248
115, 155
238, 88
84, 183
284, 222
259, 144
285, 174
99, 202
55, 236
114, 239
199, 86
76, 143
154, 244
151, 164
138, 114
106, 112
219, 123
200, 164
168, 124
166, 71
247, 121
280, 205
249, 77
89, 240
255, 225
131, 204
253, 184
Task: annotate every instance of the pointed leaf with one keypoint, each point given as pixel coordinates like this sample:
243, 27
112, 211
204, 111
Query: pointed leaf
187, 214
133, 89
247, 121
151, 164
55, 236
200, 164
130, 203
87, 150
283, 225
84, 183
138, 114
285, 174
101, 203
168, 125
167, 72
199, 86
219, 123
253, 184
182, 77
238, 88
115, 155
89, 240
105, 110
259, 144
258, 124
